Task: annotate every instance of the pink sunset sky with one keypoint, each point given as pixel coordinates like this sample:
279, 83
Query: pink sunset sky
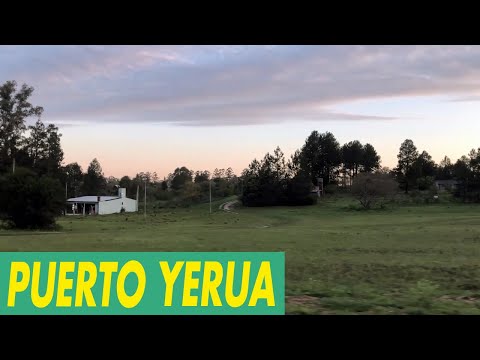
155, 108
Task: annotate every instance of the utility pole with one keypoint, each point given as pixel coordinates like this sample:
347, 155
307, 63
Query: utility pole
66, 197
13, 166
320, 186
210, 182
145, 201
138, 195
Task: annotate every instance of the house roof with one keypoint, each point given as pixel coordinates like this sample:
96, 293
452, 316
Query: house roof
91, 199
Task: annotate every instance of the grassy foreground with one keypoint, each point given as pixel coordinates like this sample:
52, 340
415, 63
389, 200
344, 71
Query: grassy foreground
406, 260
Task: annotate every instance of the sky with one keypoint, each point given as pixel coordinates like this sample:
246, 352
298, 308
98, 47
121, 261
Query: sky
155, 108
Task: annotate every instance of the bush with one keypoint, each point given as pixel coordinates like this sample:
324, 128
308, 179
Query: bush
291, 192
354, 207
30, 202
423, 293
425, 182
370, 188
299, 192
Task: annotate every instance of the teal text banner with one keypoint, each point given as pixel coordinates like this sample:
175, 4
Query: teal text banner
142, 283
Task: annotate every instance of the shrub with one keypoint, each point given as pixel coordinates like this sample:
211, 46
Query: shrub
299, 191
425, 182
423, 293
369, 189
28, 201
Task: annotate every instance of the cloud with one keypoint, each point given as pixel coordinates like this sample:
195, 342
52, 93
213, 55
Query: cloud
232, 85
470, 98
253, 120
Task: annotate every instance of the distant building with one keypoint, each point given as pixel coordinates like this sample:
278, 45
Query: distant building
318, 189
446, 184
101, 205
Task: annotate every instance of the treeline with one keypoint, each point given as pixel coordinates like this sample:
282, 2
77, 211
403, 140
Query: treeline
273, 181
322, 156
418, 171
276, 181
34, 184
181, 187
30, 162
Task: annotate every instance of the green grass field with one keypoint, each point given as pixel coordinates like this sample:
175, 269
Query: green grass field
405, 260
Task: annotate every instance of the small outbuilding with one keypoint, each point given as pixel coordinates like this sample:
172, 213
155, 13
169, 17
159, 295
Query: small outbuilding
101, 205
442, 185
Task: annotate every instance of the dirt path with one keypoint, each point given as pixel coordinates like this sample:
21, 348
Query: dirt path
227, 206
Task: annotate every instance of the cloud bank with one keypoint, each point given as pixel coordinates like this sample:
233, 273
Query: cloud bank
232, 85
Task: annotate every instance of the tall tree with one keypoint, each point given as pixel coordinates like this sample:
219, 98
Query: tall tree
371, 160
463, 173
125, 182
330, 156
36, 144
73, 177
218, 173
15, 108
445, 169
320, 157
407, 155
229, 174
201, 176
467, 171
54, 152
424, 165
474, 160
269, 182
277, 165
164, 185
44, 149
94, 182
146, 176
293, 164
352, 156
424, 170
180, 177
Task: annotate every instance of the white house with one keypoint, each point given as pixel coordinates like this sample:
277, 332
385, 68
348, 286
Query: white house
102, 205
